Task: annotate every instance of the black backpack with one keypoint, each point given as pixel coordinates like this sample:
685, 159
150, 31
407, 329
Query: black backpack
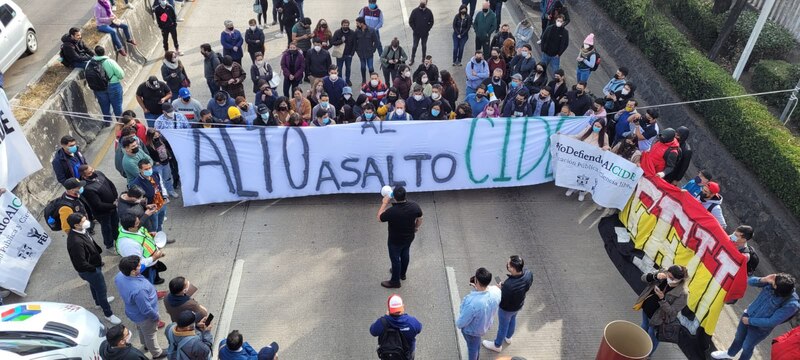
63, 58
51, 215
96, 76
752, 263
392, 344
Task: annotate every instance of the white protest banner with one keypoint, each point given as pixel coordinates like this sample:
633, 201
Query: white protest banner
582, 166
17, 159
22, 242
233, 164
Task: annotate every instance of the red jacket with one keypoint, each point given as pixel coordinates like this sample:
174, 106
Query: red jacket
656, 157
787, 346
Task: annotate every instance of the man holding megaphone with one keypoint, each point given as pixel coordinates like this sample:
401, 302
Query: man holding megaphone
404, 218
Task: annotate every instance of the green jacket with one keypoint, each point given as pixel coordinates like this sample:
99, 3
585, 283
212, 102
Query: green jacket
484, 24
130, 164
113, 70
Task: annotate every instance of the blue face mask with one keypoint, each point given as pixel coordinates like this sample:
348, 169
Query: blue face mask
80, 191
323, 103
326, 121
265, 116
733, 237
435, 112
142, 268
73, 149
368, 116
148, 172
513, 85
596, 129
373, 6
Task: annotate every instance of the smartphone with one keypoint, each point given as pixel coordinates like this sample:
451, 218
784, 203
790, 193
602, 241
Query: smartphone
472, 280
497, 279
208, 319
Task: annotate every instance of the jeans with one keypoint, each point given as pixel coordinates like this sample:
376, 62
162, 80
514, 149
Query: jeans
80, 64
472, 4
156, 221
399, 256
112, 30
583, 74
109, 227
345, 61
650, 331
97, 284
148, 336
108, 99
415, 42
151, 119
378, 42
506, 323
552, 63
473, 345
165, 33
293, 84
458, 47
366, 63
746, 339
165, 171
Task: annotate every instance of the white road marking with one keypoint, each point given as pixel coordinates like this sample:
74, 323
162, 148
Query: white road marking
229, 305
456, 303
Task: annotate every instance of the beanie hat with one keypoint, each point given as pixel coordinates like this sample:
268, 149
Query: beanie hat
233, 112
589, 39
713, 187
395, 304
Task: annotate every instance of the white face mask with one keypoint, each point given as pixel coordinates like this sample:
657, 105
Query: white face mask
524, 53
400, 111
585, 46
347, 96
625, 92
333, 77
170, 114
373, 82
317, 48
672, 282
559, 23
424, 80
407, 74
418, 97
253, 27
86, 224
129, 337
435, 96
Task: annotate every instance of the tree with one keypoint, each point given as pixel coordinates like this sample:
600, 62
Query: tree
721, 6
727, 27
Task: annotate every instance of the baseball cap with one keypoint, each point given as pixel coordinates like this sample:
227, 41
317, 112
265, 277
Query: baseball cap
713, 187
268, 352
167, 107
188, 317
395, 304
73, 183
184, 93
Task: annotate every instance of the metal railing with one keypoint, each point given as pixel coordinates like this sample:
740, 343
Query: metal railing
785, 12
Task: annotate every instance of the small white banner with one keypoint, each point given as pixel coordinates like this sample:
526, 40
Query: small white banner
581, 166
17, 159
22, 242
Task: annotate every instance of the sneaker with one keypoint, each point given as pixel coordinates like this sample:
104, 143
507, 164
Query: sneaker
180, 19
390, 285
581, 196
570, 192
507, 340
175, 196
721, 354
162, 356
455, 64
161, 294
110, 299
122, 52
113, 319
279, 35
274, 23
490, 345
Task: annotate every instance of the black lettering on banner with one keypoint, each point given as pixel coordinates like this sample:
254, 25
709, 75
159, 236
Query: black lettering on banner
5, 127
418, 158
196, 133
235, 165
286, 162
386, 130
376, 172
332, 176
368, 125
452, 168
390, 169
353, 170
267, 163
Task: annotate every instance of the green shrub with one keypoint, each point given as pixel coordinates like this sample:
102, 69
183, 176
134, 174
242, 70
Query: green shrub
743, 125
771, 75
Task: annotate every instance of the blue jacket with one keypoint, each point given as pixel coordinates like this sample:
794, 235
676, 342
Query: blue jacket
478, 309
229, 41
481, 72
220, 112
769, 310
409, 326
693, 187
139, 296
65, 166
476, 105
149, 191
334, 90
246, 352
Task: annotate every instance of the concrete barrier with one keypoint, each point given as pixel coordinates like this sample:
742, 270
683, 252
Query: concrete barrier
53, 119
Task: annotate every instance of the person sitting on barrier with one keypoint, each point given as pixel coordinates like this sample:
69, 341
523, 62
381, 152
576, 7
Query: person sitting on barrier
665, 296
108, 23
74, 53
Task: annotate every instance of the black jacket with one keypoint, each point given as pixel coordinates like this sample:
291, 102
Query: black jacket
421, 21
74, 51
514, 289
348, 39
165, 17
108, 352
84, 253
432, 71
250, 37
318, 62
461, 26
61, 166
535, 85
578, 104
366, 42
291, 14
555, 40
499, 38
683, 163
133, 207
100, 193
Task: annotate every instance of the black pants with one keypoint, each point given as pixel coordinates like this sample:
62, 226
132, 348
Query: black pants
275, 10
264, 13
165, 33
545, 22
293, 84
288, 28
109, 227
416, 40
389, 73
483, 45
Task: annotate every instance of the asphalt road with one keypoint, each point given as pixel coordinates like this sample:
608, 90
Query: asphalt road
51, 19
306, 272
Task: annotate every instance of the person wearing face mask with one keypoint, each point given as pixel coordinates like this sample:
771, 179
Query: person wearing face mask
514, 87
84, 253
500, 37
429, 68
260, 72
174, 74
322, 118
711, 200
141, 303
264, 116
325, 105
230, 77
594, 134
628, 149
555, 40
436, 95
399, 112
435, 113
422, 80
133, 202
150, 95
367, 113
615, 84
334, 86
646, 129
387, 104
403, 82
477, 100
366, 44
663, 299
523, 63
461, 25
740, 237
421, 23
682, 134
263, 6
497, 62
167, 21
579, 102
373, 16
537, 79
101, 196
67, 159
559, 85
622, 123
211, 59
586, 59
664, 155
187, 106
597, 111
282, 111
318, 61
463, 111
131, 157
70, 202
154, 191
288, 14
219, 105
301, 105
247, 111
293, 68
232, 40
418, 104
500, 87
695, 185
558, 9
492, 110
265, 95
323, 33
301, 34
375, 89
542, 103
484, 24
391, 59
180, 299
136, 240
255, 39
117, 345
518, 105
477, 70
171, 119
344, 47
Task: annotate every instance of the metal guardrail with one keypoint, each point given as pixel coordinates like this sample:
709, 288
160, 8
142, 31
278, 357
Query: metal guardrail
785, 12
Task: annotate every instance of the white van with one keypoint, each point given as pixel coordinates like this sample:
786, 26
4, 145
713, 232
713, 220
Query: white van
17, 35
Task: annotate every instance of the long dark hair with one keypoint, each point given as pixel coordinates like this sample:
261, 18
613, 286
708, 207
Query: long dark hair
627, 150
601, 139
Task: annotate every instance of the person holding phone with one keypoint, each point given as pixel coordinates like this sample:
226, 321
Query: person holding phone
478, 310
191, 336
404, 218
665, 296
513, 291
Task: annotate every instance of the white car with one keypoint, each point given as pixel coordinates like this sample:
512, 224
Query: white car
49, 331
17, 35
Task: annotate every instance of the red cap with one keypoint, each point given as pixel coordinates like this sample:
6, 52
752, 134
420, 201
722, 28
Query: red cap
713, 187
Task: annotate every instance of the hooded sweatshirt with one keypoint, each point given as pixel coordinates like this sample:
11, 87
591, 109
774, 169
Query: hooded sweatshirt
246, 352
108, 352
408, 325
714, 206
481, 72
74, 50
